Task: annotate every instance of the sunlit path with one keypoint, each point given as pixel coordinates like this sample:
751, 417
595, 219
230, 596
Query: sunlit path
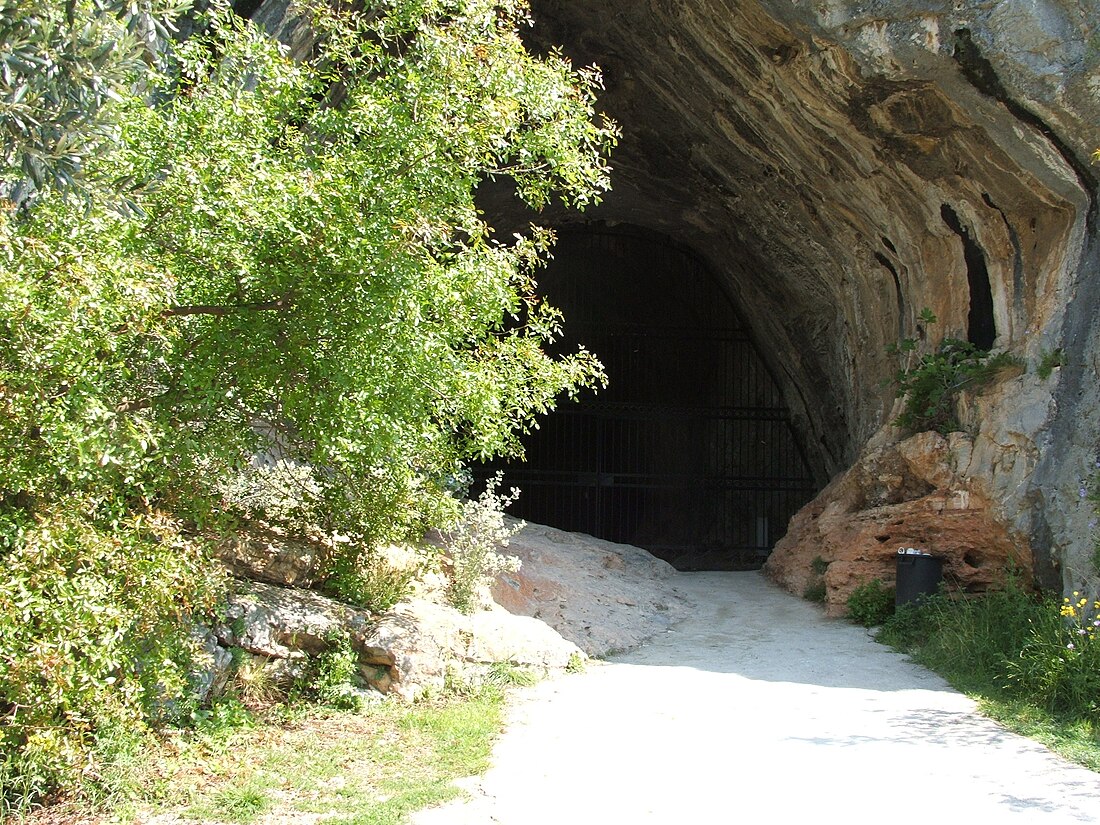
760, 707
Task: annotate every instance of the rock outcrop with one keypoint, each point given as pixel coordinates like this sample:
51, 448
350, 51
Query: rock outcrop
266, 554
602, 596
574, 597
911, 494
420, 644
414, 647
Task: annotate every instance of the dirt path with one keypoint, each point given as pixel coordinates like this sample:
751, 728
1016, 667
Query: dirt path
757, 706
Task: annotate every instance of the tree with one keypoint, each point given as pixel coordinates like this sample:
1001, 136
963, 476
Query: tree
302, 271
332, 277
63, 67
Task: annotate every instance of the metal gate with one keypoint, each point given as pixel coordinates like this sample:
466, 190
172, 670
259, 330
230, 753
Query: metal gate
689, 452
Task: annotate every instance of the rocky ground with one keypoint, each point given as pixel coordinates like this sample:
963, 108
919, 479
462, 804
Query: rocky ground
573, 597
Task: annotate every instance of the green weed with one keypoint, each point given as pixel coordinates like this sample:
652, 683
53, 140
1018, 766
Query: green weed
576, 663
506, 674
241, 803
931, 387
871, 603
372, 766
331, 677
815, 591
1048, 360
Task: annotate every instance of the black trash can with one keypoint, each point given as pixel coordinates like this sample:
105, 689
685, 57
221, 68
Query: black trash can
919, 574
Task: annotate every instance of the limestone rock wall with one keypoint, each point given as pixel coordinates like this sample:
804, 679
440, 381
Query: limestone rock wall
845, 165
913, 493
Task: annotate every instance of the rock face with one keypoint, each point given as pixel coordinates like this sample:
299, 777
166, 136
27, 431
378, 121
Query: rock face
414, 647
843, 165
286, 622
267, 555
599, 595
911, 494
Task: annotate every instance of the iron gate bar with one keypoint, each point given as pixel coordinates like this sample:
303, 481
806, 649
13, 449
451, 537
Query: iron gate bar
567, 478
621, 409
690, 451
685, 334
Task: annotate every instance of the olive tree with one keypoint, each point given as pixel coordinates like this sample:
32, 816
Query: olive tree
63, 68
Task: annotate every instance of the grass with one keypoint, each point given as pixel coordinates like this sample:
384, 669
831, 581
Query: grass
369, 767
1076, 740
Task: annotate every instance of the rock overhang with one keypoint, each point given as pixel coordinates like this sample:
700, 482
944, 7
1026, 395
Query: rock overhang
840, 165
808, 152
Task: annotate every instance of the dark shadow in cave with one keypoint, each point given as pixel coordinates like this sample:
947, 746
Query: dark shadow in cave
689, 452
981, 327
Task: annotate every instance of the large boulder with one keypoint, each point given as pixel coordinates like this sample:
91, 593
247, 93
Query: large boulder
286, 622
907, 494
600, 595
419, 644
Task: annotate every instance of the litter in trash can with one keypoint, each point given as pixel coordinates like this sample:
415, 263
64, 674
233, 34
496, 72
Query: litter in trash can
919, 574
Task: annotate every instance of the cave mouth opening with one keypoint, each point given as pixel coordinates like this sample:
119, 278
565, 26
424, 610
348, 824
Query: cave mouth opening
690, 451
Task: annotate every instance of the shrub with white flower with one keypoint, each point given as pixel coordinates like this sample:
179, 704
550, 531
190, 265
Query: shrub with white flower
472, 543
1059, 665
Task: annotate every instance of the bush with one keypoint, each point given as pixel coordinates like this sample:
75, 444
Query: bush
370, 580
1010, 641
309, 276
92, 638
871, 603
330, 677
1058, 666
472, 542
932, 386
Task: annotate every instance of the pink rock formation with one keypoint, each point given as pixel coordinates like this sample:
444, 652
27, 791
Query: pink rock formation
908, 494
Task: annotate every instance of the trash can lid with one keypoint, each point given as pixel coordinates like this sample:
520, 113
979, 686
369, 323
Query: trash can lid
912, 551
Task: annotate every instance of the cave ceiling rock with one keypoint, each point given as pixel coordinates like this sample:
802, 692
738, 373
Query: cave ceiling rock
842, 165
807, 152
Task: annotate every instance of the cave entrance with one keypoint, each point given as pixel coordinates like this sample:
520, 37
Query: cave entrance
689, 452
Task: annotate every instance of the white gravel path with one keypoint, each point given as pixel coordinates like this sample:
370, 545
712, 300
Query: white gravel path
757, 708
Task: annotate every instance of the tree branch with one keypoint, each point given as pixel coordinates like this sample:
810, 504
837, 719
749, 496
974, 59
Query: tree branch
218, 310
